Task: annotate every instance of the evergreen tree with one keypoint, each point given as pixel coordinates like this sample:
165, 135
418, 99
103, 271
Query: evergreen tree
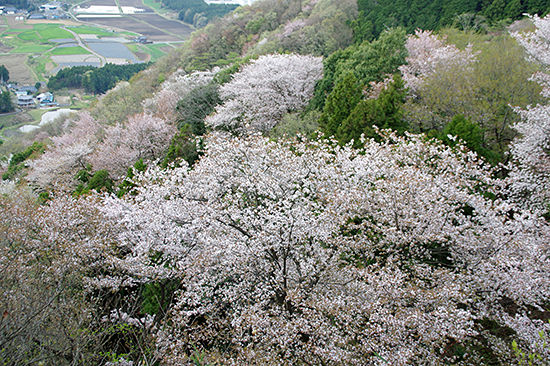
198, 104
514, 9
497, 10
340, 103
4, 73
461, 129
368, 61
385, 112
6, 104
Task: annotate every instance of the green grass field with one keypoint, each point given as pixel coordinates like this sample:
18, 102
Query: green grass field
31, 48
155, 50
37, 114
38, 65
51, 31
29, 35
35, 40
131, 34
42, 33
69, 51
36, 45
155, 5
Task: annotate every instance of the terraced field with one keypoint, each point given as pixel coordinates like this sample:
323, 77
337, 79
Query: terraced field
141, 19
34, 49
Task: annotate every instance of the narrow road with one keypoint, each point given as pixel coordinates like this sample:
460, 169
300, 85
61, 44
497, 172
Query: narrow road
81, 43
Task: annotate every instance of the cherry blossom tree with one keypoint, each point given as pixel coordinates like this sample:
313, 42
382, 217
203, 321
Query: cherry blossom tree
427, 53
308, 253
47, 255
67, 154
163, 103
142, 137
530, 172
537, 43
262, 92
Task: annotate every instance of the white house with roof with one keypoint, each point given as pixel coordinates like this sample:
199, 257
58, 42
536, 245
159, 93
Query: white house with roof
25, 101
46, 97
50, 6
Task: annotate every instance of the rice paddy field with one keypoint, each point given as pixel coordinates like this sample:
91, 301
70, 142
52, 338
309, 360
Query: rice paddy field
140, 16
32, 50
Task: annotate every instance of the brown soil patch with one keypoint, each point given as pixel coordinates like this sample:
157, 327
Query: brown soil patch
171, 26
166, 49
49, 67
12, 23
155, 27
143, 56
122, 23
63, 99
16, 64
58, 21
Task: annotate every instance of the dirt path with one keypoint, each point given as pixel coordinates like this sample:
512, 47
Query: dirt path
81, 43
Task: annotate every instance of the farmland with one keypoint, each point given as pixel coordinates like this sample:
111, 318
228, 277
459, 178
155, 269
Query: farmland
77, 50
31, 50
152, 52
135, 17
34, 49
17, 65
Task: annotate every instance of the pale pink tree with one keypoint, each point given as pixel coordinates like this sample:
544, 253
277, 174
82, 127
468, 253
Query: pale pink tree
67, 155
537, 43
142, 137
304, 253
530, 171
427, 53
47, 254
163, 103
262, 92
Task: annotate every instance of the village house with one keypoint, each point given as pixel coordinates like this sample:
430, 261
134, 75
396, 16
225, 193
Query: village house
46, 100
10, 10
36, 16
25, 101
45, 97
51, 6
25, 89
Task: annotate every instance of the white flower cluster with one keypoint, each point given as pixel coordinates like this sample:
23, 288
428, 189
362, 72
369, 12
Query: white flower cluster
262, 92
300, 252
428, 53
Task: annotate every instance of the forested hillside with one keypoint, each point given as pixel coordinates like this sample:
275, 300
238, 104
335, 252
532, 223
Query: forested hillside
377, 15
93, 79
303, 182
198, 12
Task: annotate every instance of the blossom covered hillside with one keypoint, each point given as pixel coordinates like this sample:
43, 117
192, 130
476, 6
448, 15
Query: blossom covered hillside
277, 193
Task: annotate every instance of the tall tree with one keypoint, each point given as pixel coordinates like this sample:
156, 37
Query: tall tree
6, 105
142, 137
4, 74
530, 173
262, 92
297, 252
383, 111
339, 104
